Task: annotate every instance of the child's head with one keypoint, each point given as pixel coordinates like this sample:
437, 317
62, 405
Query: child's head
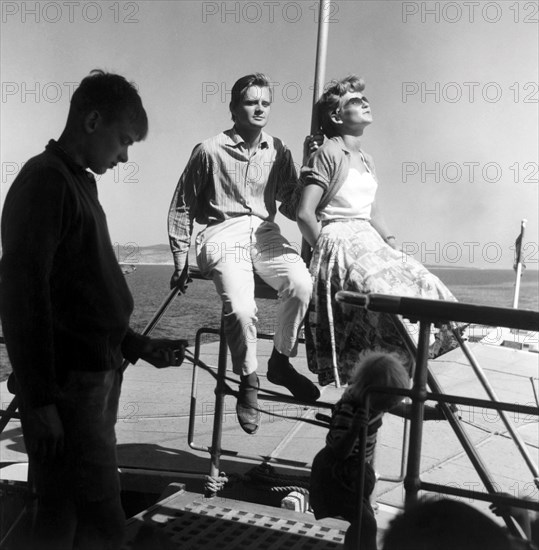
331, 101
113, 97
378, 369
444, 525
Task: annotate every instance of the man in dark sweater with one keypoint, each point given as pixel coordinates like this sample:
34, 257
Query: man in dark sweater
65, 309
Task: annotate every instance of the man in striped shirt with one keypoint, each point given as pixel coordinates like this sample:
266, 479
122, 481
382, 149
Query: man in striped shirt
230, 185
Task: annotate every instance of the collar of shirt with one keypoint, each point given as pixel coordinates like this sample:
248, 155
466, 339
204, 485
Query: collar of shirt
77, 169
235, 140
340, 141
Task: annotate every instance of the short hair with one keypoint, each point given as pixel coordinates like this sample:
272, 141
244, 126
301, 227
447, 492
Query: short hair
378, 369
330, 101
444, 524
113, 97
243, 84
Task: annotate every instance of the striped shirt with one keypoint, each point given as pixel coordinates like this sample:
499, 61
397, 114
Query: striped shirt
341, 424
222, 181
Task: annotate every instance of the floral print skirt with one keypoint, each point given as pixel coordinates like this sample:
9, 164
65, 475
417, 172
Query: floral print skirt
351, 255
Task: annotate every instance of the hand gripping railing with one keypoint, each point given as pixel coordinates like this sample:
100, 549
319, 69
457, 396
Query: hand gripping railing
429, 312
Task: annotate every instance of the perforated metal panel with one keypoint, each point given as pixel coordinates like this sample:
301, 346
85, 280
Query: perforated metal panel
206, 526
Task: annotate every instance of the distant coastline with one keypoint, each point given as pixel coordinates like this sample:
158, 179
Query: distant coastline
149, 279
159, 254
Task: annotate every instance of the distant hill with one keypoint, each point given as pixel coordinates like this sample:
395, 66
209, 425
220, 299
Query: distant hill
133, 254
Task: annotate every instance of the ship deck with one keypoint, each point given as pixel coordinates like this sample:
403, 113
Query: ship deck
154, 451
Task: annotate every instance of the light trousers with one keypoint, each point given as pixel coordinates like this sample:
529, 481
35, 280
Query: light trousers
230, 253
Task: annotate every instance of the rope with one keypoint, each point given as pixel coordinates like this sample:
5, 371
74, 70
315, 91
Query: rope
262, 476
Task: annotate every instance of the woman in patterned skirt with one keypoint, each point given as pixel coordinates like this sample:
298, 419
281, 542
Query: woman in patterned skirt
353, 249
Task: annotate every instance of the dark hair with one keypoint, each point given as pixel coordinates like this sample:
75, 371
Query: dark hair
113, 97
331, 100
243, 84
444, 524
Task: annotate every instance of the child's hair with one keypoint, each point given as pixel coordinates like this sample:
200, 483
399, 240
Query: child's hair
444, 525
377, 369
113, 97
331, 100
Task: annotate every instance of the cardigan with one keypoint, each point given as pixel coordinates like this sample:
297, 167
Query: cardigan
328, 167
64, 301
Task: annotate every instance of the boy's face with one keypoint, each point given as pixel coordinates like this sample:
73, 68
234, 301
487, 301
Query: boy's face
253, 110
108, 143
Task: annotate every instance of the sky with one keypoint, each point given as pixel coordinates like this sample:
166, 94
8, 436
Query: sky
453, 88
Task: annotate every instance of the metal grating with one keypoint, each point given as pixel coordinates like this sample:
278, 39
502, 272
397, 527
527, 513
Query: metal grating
206, 526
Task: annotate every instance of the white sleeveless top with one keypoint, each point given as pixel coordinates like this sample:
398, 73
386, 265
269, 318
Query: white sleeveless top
354, 199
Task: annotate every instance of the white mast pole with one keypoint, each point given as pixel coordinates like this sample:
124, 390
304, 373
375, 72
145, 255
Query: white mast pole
319, 78
518, 264
321, 51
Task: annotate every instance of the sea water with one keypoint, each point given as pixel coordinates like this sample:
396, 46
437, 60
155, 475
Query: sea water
200, 306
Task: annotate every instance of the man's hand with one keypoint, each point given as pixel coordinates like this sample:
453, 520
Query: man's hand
45, 433
163, 352
181, 279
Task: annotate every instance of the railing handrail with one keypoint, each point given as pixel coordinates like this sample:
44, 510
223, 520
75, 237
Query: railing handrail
443, 311
428, 312
499, 498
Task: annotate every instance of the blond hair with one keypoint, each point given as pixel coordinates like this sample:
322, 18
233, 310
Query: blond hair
377, 369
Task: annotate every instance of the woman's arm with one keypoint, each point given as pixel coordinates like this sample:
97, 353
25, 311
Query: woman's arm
379, 223
306, 214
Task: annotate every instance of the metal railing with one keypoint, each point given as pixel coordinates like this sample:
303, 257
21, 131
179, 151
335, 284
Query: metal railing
223, 389
427, 313
434, 312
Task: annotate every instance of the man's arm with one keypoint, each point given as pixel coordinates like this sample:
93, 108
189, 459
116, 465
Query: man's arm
36, 215
182, 212
287, 175
290, 187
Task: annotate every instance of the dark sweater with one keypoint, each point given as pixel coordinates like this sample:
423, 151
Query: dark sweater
64, 302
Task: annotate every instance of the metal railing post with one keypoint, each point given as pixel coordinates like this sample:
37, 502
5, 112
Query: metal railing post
412, 481
220, 393
438, 312
492, 394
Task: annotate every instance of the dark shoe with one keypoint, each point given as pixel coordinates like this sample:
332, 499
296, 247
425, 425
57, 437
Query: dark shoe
247, 404
297, 384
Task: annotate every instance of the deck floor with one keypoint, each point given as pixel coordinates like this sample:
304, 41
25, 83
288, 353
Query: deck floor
154, 415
